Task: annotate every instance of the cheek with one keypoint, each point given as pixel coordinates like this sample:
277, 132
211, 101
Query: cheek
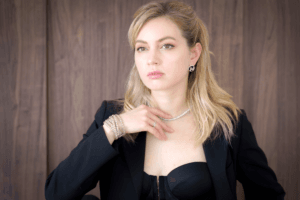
180, 60
139, 66
138, 59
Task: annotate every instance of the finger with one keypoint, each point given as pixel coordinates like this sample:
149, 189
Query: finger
162, 124
157, 130
156, 133
161, 113
154, 117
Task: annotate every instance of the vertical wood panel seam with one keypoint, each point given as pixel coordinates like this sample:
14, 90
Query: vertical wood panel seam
47, 88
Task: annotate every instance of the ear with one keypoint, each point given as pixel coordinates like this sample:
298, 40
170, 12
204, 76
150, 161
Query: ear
195, 53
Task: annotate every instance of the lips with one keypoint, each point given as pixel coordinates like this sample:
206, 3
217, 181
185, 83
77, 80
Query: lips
154, 73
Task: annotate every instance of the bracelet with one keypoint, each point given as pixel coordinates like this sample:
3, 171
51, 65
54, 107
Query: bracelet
122, 129
112, 122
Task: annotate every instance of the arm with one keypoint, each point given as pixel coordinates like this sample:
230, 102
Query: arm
258, 179
78, 173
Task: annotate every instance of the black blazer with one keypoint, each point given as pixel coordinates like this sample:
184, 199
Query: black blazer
119, 167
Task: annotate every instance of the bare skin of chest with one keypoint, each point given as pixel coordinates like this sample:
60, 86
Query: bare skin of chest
161, 157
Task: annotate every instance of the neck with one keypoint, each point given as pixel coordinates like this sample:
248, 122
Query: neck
174, 106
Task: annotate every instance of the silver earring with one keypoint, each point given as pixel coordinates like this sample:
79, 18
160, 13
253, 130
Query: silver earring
191, 68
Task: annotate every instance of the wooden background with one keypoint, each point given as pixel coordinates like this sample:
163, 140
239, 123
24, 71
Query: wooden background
59, 59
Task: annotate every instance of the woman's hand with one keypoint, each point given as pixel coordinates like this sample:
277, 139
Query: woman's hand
142, 118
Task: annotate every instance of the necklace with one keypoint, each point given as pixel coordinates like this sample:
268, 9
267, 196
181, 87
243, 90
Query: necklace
174, 117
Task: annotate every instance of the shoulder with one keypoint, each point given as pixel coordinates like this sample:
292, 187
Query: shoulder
240, 126
242, 117
245, 139
106, 109
243, 122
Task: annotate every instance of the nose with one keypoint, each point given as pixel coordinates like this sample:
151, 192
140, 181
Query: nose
153, 57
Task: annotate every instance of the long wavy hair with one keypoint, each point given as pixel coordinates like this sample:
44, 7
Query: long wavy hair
214, 111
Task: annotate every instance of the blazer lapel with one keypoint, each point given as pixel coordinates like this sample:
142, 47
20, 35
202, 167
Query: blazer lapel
216, 156
135, 156
215, 153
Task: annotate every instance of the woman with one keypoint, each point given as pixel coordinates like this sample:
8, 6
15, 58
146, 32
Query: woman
176, 134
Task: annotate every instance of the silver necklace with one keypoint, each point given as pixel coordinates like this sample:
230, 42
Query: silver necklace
174, 117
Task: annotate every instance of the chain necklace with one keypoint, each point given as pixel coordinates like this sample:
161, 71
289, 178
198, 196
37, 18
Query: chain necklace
174, 117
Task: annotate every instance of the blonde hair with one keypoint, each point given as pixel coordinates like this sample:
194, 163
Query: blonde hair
211, 106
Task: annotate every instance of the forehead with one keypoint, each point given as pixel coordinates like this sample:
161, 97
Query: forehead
157, 28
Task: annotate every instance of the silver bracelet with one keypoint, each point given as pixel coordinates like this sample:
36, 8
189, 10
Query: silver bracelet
109, 122
117, 130
112, 122
122, 128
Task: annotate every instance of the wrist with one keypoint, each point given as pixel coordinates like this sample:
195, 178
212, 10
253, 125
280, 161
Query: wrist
109, 133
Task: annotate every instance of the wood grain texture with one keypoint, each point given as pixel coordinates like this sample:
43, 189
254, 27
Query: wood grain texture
255, 61
22, 99
89, 59
226, 32
288, 97
255, 45
260, 72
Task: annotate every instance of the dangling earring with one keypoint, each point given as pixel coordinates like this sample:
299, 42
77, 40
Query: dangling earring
191, 68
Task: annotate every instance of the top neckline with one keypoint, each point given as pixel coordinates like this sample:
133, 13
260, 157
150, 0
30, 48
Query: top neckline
177, 168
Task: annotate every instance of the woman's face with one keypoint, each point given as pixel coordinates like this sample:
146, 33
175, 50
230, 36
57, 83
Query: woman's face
160, 46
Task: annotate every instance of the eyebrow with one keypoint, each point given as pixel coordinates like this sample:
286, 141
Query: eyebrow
164, 38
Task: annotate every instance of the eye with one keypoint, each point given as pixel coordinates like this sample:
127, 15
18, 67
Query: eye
167, 46
140, 49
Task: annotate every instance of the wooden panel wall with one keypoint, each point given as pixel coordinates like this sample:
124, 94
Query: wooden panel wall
23, 156
245, 38
288, 97
88, 59
88, 62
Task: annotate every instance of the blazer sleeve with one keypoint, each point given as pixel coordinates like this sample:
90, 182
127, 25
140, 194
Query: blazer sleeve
258, 179
78, 173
